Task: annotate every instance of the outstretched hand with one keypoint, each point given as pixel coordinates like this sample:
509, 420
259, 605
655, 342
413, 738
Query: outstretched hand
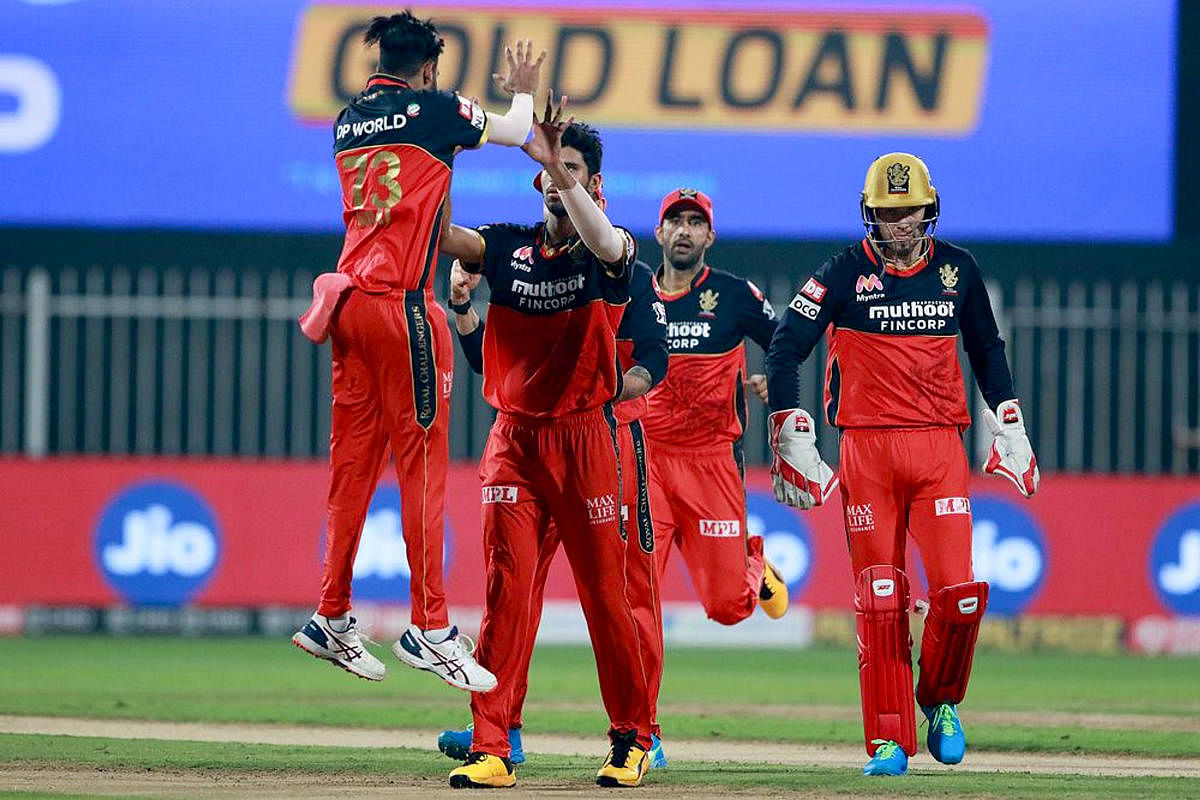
523, 72
545, 146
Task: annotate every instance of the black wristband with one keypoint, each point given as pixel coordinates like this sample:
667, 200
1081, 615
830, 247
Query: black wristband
459, 308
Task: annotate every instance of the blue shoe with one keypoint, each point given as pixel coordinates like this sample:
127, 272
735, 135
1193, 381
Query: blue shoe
946, 740
516, 752
889, 759
658, 759
457, 744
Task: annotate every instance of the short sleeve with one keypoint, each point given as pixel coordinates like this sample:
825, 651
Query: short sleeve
496, 247
460, 122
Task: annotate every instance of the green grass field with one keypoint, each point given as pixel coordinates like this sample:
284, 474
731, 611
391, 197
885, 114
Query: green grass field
1138, 707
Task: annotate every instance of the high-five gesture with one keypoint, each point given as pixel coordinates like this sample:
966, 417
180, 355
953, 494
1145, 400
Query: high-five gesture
523, 71
545, 146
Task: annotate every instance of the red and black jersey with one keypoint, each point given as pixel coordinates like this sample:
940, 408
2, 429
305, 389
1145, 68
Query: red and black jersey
550, 347
641, 337
394, 147
893, 348
702, 403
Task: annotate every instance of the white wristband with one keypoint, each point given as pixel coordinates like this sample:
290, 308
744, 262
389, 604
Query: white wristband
512, 128
593, 225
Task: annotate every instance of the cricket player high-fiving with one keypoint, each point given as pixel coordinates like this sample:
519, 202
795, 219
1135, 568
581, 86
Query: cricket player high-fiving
394, 147
558, 292
898, 301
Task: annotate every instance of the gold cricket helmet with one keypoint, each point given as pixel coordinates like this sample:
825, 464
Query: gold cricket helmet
898, 180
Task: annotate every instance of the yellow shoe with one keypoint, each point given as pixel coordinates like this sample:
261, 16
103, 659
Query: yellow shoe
773, 595
626, 763
483, 771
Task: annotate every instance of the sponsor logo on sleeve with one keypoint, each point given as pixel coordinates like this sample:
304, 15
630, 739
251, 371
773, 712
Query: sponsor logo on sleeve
951, 505
721, 528
660, 312
805, 307
499, 494
814, 290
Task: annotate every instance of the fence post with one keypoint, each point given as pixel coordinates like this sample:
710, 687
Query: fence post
37, 363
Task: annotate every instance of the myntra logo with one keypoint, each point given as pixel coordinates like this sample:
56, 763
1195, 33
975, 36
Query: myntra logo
868, 283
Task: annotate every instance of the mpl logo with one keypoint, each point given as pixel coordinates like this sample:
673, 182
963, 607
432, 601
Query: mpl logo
787, 542
1175, 561
381, 571
1009, 552
157, 543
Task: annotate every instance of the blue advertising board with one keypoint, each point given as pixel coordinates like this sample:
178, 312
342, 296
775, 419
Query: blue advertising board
1047, 120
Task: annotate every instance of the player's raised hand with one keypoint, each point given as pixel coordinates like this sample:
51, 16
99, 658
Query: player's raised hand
523, 72
545, 145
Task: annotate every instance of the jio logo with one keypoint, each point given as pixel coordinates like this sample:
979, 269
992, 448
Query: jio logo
786, 541
157, 543
1175, 561
381, 572
1008, 552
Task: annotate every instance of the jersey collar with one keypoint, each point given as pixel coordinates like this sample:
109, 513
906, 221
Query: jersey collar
873, 257
383, 79
699, 278
549, 251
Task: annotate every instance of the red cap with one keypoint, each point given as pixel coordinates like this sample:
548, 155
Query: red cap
693, 198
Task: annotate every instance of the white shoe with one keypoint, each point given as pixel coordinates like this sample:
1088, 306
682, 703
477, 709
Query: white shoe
344, 648
450, 660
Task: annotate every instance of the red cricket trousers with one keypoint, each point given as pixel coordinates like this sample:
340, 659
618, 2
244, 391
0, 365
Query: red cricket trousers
900, 481
640, 574
392, 370
699, 501
563, 471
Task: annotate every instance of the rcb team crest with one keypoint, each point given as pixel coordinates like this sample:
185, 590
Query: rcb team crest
708, 303
949, 276
897, 176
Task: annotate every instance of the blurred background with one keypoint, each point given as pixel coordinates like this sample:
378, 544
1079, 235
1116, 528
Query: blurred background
167, 194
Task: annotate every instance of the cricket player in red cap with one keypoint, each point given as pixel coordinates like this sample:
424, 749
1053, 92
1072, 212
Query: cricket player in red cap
696, 416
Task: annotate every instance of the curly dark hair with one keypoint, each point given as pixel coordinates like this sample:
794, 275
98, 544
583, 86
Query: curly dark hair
405, 42
586, 140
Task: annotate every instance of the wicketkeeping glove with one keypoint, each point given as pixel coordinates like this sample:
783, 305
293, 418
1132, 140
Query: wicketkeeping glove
799, 476
1011, 455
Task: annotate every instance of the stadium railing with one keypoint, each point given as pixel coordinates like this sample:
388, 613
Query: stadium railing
211, 363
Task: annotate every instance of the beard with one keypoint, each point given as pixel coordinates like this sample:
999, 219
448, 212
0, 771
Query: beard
684, 261
905, 251
555, 207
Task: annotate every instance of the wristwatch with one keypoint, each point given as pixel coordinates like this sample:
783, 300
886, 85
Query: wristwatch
459, 308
